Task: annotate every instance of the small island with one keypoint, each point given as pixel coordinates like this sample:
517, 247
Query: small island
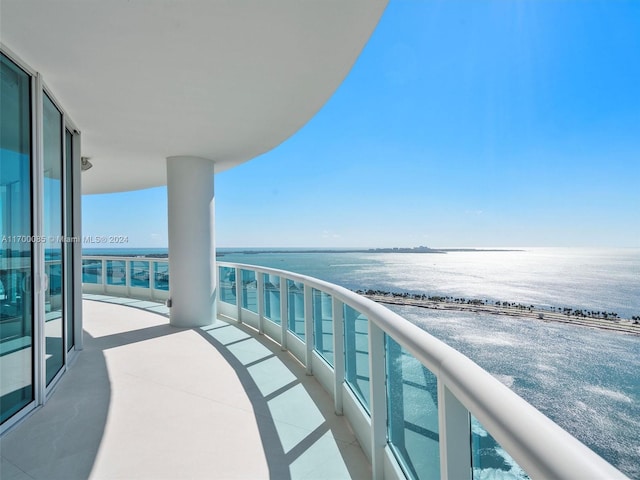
587, 318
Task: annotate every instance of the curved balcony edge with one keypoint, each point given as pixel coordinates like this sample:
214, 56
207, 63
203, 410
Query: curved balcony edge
538, 445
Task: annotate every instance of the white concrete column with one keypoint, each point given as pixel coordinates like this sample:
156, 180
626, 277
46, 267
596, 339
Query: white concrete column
192, 254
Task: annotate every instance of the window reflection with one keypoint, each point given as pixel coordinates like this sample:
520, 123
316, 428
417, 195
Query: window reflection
16, 323
52, 133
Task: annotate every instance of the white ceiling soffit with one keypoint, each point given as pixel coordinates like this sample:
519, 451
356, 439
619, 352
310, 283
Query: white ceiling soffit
220, 79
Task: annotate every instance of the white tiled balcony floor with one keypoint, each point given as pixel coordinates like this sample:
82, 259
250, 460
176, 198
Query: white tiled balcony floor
145, 400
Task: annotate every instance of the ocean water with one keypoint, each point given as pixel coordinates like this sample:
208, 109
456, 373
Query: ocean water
586, 380
596, 279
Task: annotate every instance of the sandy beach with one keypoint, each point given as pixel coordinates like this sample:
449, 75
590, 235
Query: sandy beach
618, 325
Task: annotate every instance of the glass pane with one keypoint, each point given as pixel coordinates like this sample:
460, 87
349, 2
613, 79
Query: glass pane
488, 458
295, 292
68, 245
412, 402
323, 324
161, 280
91, 271
249, 290
16, 321
116, 272
139, 274
52, 133
272, 297
356, 353
227, 282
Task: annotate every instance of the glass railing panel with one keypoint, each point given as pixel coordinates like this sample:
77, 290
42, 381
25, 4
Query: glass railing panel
116, 272
295, 292
91, 271
139, 272
412, 403
161, 276
272, 298
323, 324
249, 290
356, 352
227, 284
489, 459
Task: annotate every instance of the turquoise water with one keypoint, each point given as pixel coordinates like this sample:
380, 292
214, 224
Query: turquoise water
125, 251
586, 380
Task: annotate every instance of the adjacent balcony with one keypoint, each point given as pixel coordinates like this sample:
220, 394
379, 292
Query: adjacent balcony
298, 378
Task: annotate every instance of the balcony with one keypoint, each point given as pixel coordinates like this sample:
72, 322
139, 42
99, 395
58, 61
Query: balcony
298, 378
147, 400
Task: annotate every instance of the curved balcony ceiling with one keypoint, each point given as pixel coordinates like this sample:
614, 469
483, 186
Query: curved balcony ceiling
226, 80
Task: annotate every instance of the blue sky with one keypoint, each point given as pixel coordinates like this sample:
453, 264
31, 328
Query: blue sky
506, 123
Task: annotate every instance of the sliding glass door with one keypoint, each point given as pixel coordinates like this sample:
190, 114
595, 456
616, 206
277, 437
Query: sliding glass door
53, 233
16, 234
69, 243
39, 160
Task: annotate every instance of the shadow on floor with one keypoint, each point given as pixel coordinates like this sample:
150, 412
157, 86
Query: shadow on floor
61, 439
302, 437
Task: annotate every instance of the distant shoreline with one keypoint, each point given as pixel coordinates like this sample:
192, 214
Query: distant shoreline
257, 251
602, 320
511, 310
420, 249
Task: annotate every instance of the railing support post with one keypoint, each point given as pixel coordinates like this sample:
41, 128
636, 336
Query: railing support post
455, 436
338, 353
127, 276
152, 280
378, 399
103, 276
260, 300
284, 312
308, 328
239, 295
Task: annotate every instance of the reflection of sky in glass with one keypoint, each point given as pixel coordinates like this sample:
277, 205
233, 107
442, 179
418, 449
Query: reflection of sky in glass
14, 183
53, 218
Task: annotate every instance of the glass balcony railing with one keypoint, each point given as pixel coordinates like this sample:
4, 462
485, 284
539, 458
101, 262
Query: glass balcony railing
418, 399
356, 354
412, 404
271, 297
161, 276
296, 317
419, 408
249, 290
323, 325
126, 276
116, 272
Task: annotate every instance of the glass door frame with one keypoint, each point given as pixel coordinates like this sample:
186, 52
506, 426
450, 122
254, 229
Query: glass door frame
71, 220
35, 328
71, 217
71, 281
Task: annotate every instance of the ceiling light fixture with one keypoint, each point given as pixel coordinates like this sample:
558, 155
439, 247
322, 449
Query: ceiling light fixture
85, 164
